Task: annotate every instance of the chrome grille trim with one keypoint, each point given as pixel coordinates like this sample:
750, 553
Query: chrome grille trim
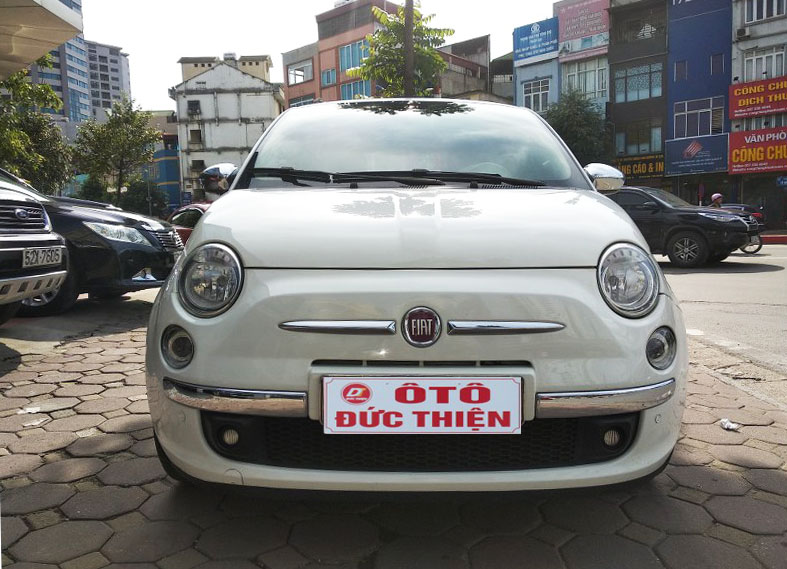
356, 327
241, 401
500, 327
169, 240
608, 402
36, 220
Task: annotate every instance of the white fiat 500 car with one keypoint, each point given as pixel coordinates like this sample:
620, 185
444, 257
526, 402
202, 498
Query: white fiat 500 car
415, 295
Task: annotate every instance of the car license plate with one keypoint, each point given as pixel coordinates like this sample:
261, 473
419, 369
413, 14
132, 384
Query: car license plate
415, 405
42, 256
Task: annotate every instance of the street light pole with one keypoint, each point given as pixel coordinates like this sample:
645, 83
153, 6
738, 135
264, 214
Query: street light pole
409, 56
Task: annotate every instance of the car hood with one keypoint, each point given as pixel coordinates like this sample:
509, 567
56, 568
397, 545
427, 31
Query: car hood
416, 228
110, 216
84, 203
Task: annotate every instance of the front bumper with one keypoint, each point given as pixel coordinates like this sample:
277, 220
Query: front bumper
593, 368
20, 288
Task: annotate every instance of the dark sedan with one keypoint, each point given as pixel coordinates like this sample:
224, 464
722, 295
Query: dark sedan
111, 251
689, 235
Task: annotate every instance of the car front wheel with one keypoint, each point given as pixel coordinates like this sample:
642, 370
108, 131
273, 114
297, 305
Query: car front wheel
687, 249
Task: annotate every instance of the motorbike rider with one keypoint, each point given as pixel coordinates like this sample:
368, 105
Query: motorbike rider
715, 200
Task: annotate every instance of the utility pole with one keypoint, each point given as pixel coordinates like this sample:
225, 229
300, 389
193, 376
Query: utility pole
409, 55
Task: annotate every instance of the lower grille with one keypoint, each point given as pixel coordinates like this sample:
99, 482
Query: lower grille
300, 443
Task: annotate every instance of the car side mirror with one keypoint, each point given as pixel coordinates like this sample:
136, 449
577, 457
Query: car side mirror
650, 205
605, 177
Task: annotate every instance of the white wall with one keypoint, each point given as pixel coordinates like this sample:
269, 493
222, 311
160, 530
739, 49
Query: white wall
235, 109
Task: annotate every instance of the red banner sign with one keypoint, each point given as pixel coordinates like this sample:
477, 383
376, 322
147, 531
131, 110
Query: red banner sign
757, 98
758, 151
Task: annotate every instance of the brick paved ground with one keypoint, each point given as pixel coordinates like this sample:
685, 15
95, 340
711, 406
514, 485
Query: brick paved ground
82, 489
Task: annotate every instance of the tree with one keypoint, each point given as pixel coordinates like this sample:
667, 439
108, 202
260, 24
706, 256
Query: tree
582, 126
386, 61
54, 168
143, 197
31, 145
112, 150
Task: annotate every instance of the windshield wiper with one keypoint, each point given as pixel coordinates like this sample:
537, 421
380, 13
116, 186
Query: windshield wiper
493, 179
294, 176
472, 177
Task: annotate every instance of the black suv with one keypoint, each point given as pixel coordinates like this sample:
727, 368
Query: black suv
111, 251
33, 260
689, 235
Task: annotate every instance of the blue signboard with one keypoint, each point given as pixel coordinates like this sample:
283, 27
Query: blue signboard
696, 155
536, 42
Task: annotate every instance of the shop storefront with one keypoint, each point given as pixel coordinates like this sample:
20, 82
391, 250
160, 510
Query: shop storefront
758, 157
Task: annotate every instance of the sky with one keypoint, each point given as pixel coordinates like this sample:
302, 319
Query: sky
157, 33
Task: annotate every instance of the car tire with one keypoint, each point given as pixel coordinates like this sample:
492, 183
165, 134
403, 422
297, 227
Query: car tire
753, 246
56, 302
687, 249
8, 311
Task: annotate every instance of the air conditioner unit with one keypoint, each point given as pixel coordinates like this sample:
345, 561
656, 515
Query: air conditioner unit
742, 33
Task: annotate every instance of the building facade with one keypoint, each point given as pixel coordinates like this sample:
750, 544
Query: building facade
222, 110
536, 82
758, 105
110, 78
637, 105
69, 76
319, 71
698, 82
583, 44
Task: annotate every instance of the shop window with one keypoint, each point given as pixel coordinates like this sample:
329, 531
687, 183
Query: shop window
762, 9
681, 70
638, 82
300, 72
763, 63
639, 137
536, 94
699, 117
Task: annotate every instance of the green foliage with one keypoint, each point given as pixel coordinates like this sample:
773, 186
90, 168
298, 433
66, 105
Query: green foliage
48, 166
581, 124
136, 198
385, 63
111, 151
93, 190
31, 145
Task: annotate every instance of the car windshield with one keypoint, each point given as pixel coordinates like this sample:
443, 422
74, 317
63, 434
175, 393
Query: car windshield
667, 197
428, 136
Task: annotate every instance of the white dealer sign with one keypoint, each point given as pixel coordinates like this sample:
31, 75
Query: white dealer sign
412, 405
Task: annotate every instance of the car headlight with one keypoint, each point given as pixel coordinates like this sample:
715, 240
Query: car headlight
629, 280
210, 280
723, 217
118, 233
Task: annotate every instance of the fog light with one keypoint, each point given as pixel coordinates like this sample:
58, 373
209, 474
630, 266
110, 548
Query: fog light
177, 347
612, 438
661, 348
230, 437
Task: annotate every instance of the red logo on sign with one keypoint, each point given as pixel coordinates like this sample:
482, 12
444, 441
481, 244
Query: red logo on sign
356, 393
421, 327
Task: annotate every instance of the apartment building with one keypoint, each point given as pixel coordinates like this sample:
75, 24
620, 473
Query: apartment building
110, 79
